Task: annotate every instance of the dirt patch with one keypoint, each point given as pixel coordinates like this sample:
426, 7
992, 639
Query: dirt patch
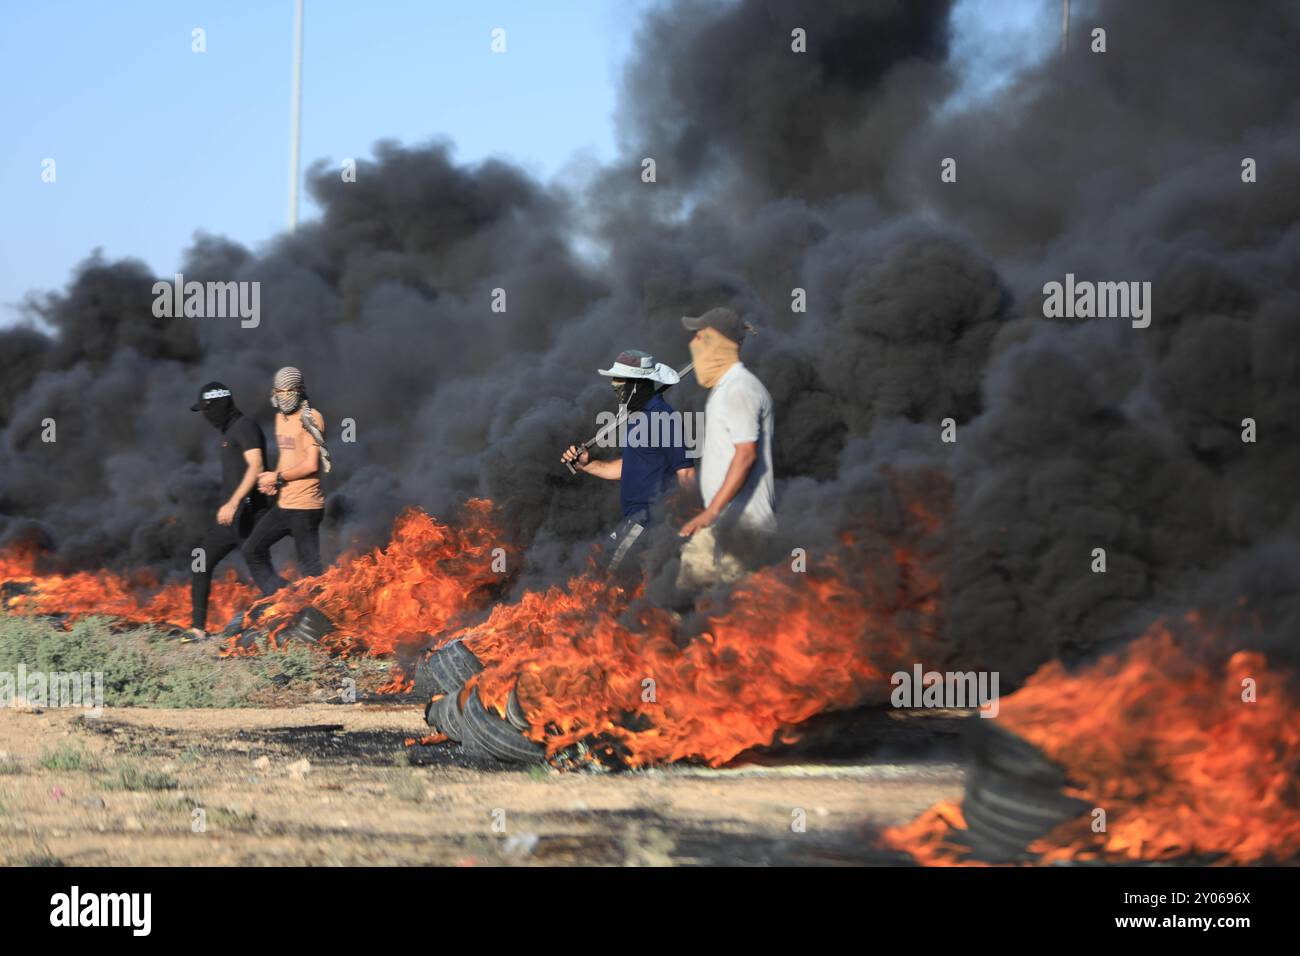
323, 784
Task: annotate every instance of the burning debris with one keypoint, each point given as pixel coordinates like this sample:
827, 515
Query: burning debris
458, 713
243, 634
391, 601
1014, 796
25, 588
446, 670
1161, 752
500, 736
593, 665
309, 625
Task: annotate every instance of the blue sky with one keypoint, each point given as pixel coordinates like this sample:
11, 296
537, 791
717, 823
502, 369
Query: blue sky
153, 141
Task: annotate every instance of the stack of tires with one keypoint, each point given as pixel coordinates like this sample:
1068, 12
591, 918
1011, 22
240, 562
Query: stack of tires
441, 675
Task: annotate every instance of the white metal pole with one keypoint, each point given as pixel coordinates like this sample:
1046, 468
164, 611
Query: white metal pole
1065, 58
295, 120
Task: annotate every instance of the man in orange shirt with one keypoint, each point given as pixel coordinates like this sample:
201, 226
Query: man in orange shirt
295, 485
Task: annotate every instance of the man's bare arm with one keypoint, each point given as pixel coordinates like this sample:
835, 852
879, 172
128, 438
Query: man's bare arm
611, 470
581, 459
253, 458
741, 462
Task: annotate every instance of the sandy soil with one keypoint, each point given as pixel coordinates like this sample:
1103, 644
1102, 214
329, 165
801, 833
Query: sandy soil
321, 784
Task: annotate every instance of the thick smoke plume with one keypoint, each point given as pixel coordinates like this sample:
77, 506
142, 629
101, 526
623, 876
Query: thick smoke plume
776, 170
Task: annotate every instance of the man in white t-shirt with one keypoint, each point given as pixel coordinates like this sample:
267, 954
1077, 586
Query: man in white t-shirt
735, 473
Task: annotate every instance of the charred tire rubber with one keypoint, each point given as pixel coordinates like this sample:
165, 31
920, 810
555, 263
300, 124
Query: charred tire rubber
234, 626
446, 716
515, 712
443, 715
496, 736
309, 625
426, 685
1013, 795
446, 669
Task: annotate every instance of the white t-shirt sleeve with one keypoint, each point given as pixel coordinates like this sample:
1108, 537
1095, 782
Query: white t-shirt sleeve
741, 409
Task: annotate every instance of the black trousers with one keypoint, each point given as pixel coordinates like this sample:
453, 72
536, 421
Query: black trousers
303, 524
218, 541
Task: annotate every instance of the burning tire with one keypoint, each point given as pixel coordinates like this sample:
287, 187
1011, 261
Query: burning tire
446, 669
12, 589
425, 685
443, 674
234, 626
498, 737
443, 715
430, 675
1013, 795
309, 625
515, 713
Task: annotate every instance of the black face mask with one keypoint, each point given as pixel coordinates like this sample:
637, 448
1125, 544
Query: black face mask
634, 394
219, 412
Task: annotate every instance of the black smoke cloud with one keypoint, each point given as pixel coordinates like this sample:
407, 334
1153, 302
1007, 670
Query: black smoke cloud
777, 170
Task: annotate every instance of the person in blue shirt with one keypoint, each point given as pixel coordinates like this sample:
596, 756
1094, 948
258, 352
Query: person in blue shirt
654, 444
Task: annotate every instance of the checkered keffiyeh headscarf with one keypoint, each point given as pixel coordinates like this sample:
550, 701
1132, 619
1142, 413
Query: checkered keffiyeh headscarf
290, 379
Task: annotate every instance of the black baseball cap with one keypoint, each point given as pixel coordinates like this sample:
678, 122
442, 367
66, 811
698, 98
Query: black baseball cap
208, 392
721, 318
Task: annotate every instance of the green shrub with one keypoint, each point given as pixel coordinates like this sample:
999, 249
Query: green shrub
133, 778
297, 661
67, 757
142, 667
130, 675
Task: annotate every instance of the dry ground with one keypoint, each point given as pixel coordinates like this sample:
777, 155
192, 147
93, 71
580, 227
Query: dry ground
291, 775
229, 787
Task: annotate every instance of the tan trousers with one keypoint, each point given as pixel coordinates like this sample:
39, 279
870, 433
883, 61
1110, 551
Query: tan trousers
704, 564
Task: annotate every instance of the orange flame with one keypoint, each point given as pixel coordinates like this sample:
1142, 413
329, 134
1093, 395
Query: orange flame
137, 596
422, 582
1164, 742
788, 646
405, 595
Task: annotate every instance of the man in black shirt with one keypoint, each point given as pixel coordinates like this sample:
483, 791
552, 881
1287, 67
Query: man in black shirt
243, 453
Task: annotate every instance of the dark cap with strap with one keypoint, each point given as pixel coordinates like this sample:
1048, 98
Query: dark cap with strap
207, 393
